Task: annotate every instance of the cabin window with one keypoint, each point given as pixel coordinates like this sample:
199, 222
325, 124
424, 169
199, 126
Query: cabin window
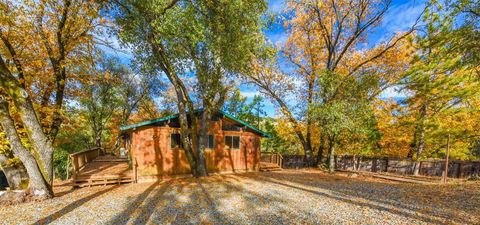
232, 142
211, 142
175, 141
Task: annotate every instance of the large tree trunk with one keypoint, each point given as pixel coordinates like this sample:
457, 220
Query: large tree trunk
99, 138
16, 175
421, 139
331, 154
186, 140
23, 103
309, 149
184, 104
321, 149
202, 140
413, 144
37, 184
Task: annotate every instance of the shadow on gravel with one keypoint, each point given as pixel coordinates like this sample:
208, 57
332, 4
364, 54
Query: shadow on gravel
347, 189
212, 205
136, 204
72, 206
201, 201
185, 202
62, 193
258, 207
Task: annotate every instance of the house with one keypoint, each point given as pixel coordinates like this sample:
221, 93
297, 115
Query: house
155, 146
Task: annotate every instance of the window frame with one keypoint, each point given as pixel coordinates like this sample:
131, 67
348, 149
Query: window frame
179, 146
232, 142
208, 142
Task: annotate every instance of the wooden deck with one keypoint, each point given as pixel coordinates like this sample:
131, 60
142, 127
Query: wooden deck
100, 170
267, 167
270, 162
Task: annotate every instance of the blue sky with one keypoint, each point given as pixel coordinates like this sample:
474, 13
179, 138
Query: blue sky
400, 16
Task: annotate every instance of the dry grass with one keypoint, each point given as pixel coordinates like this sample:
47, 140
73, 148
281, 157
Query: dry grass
286, 197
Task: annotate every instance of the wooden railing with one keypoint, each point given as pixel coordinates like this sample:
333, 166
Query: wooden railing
80, 159
272, 158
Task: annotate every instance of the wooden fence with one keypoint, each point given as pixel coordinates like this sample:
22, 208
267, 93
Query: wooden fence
294, 161
80, 159
456, 168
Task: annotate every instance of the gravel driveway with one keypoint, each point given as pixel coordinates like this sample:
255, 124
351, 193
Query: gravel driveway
285, 197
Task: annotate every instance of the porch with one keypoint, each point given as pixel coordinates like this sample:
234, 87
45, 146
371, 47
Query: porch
95, 167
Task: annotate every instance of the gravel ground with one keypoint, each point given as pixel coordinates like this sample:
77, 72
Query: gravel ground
285, 197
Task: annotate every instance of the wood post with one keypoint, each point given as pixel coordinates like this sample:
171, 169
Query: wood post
445, 173
135, 171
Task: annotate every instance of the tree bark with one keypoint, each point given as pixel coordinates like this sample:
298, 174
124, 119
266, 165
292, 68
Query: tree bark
421, 139
321, 149
413, 144
29, 118
308, 149
98, 139
16, 175
202, 140
331, 154
37, 184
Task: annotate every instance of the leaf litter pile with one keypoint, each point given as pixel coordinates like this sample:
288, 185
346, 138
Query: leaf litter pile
285, 197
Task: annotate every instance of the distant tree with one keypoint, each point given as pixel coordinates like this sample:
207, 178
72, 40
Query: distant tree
324, 40
281, 139
101, 98
251, 112
347, 116
438, 78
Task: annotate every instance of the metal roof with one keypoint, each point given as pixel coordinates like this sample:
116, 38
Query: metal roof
163, 119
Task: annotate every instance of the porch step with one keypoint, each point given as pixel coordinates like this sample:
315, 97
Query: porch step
94, 181
267, 167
